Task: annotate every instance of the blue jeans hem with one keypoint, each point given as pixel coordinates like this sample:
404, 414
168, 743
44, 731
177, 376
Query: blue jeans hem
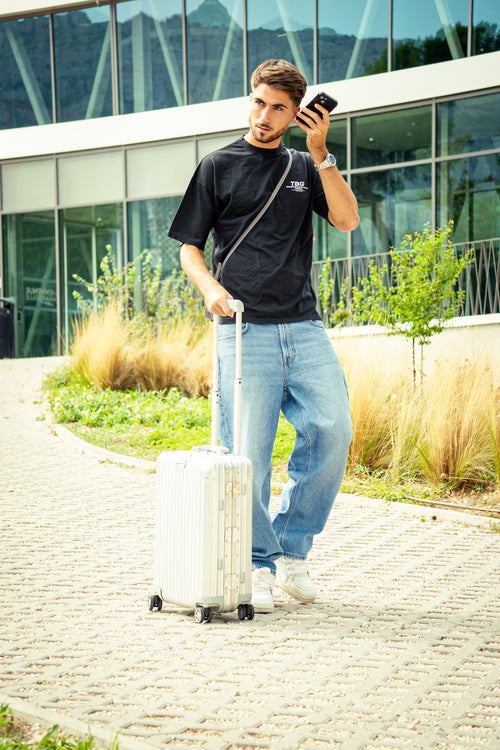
272, 567
294, 557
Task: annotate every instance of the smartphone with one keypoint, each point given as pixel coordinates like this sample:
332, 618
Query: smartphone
326, 101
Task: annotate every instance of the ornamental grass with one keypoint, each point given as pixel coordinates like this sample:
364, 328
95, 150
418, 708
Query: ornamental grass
110, 353
445, 431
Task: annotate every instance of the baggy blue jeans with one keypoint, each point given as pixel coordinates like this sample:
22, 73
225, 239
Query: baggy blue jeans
290, 367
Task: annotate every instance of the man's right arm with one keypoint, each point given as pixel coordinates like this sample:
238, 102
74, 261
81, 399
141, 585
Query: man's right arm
193, 264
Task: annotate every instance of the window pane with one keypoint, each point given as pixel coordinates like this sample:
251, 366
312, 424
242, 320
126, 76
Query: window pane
159, 170
281, 29
391, 204
352, 38
90, 177
486, 22
83, 64
429, 31
148, 225
336, 141
392, 137
84, 235
150, 54
214, 50
469, 193
25, 86
30, 277
29, 185
328, 242
468, 125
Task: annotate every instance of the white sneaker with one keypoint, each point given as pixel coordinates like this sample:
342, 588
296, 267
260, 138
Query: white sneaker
262, 590
293, 577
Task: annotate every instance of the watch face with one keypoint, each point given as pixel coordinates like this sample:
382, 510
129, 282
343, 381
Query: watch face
328, 161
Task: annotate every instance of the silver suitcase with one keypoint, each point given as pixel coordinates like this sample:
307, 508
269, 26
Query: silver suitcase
203, 534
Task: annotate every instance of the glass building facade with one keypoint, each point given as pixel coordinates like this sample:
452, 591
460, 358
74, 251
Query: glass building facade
427, 160
141, 55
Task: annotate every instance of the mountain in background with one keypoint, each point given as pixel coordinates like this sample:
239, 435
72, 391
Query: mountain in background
294, 25
210, 13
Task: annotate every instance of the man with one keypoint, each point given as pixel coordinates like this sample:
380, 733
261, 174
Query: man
288, 362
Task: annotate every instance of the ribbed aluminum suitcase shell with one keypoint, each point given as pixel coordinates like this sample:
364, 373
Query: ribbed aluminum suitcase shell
203, 537
203, 542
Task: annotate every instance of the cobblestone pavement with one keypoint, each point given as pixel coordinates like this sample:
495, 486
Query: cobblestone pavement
401, 649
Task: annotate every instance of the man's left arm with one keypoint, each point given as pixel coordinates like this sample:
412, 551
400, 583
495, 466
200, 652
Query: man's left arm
342, 203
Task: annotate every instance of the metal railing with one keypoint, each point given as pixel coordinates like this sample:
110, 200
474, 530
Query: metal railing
480, 280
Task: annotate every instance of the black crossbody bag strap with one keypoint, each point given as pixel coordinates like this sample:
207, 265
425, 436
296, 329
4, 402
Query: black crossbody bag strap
220, 266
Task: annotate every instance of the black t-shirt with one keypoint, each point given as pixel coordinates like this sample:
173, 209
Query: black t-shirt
270, 270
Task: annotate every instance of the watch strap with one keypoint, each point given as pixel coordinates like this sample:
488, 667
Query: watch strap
328, 161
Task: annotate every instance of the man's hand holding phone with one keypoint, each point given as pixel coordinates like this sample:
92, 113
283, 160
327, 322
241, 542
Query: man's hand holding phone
324, 100
314, 121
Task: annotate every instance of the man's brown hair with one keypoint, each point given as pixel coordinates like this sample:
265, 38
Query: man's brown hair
281, 74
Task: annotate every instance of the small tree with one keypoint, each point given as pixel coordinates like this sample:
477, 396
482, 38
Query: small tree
422, 295
325, 295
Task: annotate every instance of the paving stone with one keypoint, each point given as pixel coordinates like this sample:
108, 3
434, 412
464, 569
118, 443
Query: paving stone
401, 648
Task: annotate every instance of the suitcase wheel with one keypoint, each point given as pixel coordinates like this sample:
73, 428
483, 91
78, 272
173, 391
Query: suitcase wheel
246, 611
201, 614
155, 602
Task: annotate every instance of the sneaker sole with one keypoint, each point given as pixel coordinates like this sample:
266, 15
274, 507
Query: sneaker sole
294, 594
263, 610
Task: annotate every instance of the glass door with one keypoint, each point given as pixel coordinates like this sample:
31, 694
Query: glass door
30, 278
85, 234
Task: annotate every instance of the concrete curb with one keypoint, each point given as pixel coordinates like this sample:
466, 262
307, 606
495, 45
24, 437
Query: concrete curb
102, 453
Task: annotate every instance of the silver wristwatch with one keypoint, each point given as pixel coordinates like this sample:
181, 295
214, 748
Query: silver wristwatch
330, 161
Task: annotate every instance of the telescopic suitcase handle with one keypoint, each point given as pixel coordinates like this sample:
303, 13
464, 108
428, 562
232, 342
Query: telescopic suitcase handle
237, 306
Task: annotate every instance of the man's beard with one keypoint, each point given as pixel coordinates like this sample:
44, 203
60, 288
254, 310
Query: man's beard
268, 137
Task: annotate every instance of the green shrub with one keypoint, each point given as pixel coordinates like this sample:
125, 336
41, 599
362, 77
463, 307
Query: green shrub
14, 735
141, 295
